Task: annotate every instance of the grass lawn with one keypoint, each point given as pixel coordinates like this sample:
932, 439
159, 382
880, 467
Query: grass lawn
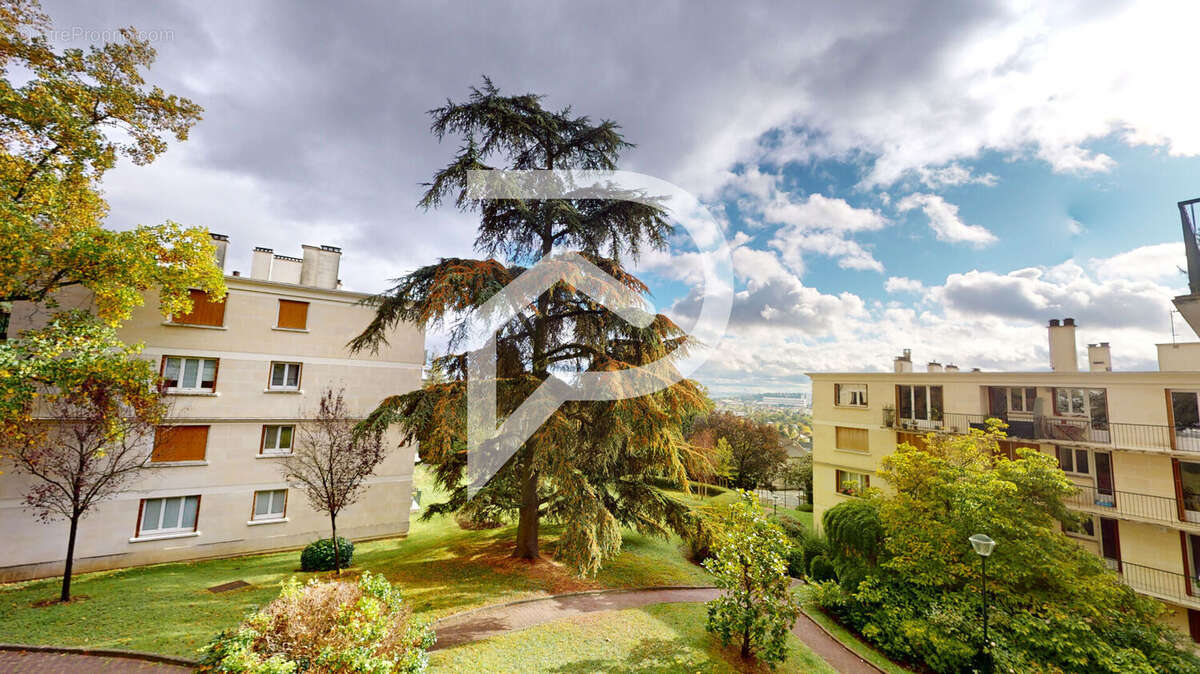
658, 638
442, 569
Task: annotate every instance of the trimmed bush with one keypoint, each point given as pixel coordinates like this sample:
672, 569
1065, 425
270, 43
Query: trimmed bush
805, 507
820, 569
359, 626
318, 556
795, 562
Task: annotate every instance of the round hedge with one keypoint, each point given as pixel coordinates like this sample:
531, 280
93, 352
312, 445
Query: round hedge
820, 569
318, 556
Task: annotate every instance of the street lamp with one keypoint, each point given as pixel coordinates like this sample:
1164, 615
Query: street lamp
984, 545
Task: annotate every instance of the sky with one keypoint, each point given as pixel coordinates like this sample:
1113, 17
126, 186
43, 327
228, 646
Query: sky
940, 176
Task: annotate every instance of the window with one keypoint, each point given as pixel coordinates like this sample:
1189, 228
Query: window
179, 443
1021, 399
269, 505
850, 395
277, 440
1187, 488
293, 315
1185, 417
285, 376
204, 311
1084, 529
189, 374
1073, 460
852, 438
919, 403
162, 516
1085, 402
851, 483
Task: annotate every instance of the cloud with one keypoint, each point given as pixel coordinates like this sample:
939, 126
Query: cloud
900, 284
1075, 227
823, 225
944, 220
953, 175
1163, 262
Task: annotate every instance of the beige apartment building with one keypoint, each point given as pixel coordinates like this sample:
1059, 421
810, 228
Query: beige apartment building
1130, 441
240, 376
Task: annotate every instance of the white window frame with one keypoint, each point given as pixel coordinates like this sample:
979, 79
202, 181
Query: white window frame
271, 437
287, 367
160, 512
195, 387
861, 480
1093, 536
275, 497
857, 395
1027, 404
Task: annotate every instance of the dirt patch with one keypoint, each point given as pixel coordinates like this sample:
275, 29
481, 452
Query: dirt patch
42, 603
557, 577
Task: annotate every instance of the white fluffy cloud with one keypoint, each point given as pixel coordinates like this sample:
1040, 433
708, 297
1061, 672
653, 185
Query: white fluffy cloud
822, 225
995, 321
944, 220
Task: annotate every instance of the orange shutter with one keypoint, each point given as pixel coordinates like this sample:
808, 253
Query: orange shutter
204, 311
1178, 489
1171, 419
180, 443
852, 438
293, 314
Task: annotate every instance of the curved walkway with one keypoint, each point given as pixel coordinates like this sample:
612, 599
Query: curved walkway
490, 621
49, 662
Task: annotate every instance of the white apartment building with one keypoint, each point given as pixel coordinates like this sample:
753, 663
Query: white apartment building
240, 375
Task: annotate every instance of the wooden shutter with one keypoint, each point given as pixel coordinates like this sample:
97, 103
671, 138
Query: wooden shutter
293, 314
852, 438
1175, 468
1194, 624
1187, 568
180, 443
1171, 420
204, 311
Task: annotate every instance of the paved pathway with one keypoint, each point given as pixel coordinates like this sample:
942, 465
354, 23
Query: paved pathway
41, 662
487, 622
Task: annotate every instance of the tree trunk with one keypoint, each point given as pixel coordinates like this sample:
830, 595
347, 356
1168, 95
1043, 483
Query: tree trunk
527, 525
746, 643
65, 595
337, 549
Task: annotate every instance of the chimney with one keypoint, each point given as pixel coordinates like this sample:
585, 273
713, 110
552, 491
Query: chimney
320, 266
1099, 357
951, 367
933, 366
1062, 346
260, 263
904, 363
221, 243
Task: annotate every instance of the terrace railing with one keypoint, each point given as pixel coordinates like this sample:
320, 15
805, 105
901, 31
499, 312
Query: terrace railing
1159, 583
1058, 430
1116, 503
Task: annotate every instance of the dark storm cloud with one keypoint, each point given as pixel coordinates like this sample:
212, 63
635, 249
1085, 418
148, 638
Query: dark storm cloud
322, 106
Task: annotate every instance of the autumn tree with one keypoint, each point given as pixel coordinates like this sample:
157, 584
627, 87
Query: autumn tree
590, 465
749, 563
911, 583
332, 459
65, 118
80, 422
756, 454
797, 473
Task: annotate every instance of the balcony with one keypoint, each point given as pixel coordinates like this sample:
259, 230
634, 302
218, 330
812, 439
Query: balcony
1168, 585
1059, 430
1125, 505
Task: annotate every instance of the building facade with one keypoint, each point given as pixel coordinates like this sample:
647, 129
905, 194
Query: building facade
240, 376
1130, 441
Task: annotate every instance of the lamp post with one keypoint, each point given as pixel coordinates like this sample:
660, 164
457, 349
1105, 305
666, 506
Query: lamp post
984, 545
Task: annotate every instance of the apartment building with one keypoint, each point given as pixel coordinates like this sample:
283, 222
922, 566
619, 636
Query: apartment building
1130, 441
240, 376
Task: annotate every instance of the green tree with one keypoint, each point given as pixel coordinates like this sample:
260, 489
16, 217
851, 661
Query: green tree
749, 562
756, 453
79, 418
1053, 605
797, 473
591, 464
65, 118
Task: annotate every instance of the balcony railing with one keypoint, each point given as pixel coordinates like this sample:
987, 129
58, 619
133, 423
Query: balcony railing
1058, 430
1116, 503
1162, 584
